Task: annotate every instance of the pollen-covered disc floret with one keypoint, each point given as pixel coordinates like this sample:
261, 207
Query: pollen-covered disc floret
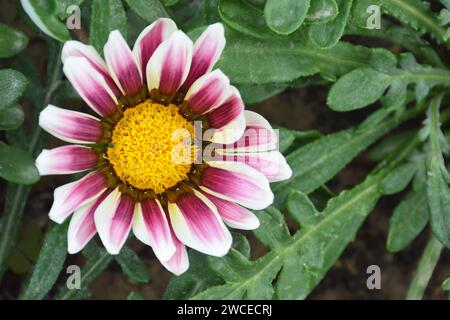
139, 148
144, 144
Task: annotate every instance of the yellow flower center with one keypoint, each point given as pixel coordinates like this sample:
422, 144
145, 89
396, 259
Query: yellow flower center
146, 145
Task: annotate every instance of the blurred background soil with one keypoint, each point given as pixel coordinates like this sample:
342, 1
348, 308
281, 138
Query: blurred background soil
300, 109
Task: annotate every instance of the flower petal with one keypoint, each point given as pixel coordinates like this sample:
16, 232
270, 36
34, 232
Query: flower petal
272, 163
237, 182
169, 66
70, 126
74, 195
179, 262
234, 215
207, 51
74, 48
82, 226
151, 227
122, 65
208, 92
66, 160
90, 85
113, 219
198, 225
150, 38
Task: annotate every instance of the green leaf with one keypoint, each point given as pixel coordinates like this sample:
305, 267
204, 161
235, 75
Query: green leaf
409, 219
149, 10
43, 13
357, 89
63, 5
327, 35
12, 41
446, 286
317, 162
16, 165
322, 11
132, 266
134, 296
11, 117
438, 192
97, 260
301, 209
49, 264
383, 149
245, 18
106, 16
399, 178
12, 86
285, 16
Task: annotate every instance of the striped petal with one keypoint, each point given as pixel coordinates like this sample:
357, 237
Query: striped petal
151, 227
207, 51
82, 226
208, 92
237, 182
179, 262
74, 48
150, 39
66, 160
169, 66
233, 214
272, 163
198, 225
90, 85
74, 195
113, 219
70, 126
122, 65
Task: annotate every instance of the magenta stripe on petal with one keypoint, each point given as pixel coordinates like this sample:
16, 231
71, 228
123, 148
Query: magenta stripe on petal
122, 64
256, 137
70, 126
231, 109
121, 223
207, 51
150, 38
65, 160
208, 92
70, 197
179, 261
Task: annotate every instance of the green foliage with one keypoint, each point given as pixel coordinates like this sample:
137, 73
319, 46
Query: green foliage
16, 165
12, 86
149, 10
285, 16
12, 41
132, 266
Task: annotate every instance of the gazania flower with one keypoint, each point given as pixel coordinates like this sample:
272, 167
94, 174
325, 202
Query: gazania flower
142, 97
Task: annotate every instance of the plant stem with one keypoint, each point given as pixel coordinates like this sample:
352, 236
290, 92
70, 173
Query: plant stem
427, 263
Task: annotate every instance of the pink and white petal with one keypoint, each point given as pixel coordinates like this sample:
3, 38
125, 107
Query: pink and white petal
90, 85
272, 163
74, 48
151, 227
70, 126
82, 225
208, 92
237, 182
179, 262
169, 66
207, 50
255, 119
198, 225
234, 215
113, 219
150, 39
71, 196
122, 65
230, 133
66, 160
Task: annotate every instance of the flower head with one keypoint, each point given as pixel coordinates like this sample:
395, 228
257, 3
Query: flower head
154, 103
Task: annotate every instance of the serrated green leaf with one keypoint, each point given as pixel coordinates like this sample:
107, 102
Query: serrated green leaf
16, 165
49, 264
43, 13
301, 209
149, 10
285, 16
327, 35
409, 219
12, 86
12, 41
106, 16
11, 117
132, 266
